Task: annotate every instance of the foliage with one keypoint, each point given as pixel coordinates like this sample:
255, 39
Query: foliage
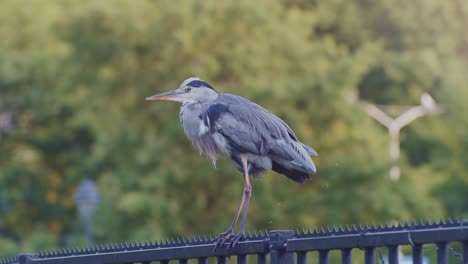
74, 77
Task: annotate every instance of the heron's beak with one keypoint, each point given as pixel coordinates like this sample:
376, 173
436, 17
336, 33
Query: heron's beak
172, 96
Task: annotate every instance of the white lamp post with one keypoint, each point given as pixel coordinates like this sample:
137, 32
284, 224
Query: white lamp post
427, 107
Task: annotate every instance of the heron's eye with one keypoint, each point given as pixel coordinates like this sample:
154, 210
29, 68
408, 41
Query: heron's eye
188, 89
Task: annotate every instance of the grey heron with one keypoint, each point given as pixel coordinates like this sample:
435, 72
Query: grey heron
254, 139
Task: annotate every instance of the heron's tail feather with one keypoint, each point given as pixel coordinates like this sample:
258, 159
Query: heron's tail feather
310, 150
295, 175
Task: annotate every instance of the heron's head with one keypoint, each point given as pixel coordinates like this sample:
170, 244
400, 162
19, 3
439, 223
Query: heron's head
192, 90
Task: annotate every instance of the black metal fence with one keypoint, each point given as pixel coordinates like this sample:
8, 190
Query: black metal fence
280, 246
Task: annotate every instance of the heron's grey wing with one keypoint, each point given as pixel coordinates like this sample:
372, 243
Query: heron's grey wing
252, 128
256, 117
219, 118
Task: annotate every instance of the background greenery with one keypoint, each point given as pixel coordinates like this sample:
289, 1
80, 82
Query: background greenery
74, 75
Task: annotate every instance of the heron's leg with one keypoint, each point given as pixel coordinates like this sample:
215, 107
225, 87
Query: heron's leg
229, 234
246, 198
230, 230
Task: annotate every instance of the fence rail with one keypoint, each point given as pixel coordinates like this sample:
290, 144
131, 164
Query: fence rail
279, 246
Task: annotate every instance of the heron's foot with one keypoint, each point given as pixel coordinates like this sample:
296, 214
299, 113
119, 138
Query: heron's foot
228, 237
235, 239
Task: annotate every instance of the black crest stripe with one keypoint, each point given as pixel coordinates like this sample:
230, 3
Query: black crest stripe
199, 83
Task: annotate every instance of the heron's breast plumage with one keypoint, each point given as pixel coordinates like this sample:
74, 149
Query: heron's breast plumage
191, 118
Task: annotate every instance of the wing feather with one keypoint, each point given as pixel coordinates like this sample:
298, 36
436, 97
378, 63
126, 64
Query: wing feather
251, 128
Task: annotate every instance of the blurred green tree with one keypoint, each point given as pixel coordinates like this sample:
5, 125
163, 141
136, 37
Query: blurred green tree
74, 76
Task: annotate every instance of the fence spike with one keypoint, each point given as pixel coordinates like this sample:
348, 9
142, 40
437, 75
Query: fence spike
300, 231
322, 230
442, 221
348, 228
449, 220
407, 223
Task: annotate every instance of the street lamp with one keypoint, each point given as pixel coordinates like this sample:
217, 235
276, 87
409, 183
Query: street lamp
87, 199
427, 107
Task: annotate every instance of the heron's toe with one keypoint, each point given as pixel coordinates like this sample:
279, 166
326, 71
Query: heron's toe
235, 239
224, 237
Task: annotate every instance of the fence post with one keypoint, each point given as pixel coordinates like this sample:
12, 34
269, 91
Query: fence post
25, 258
277, 244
